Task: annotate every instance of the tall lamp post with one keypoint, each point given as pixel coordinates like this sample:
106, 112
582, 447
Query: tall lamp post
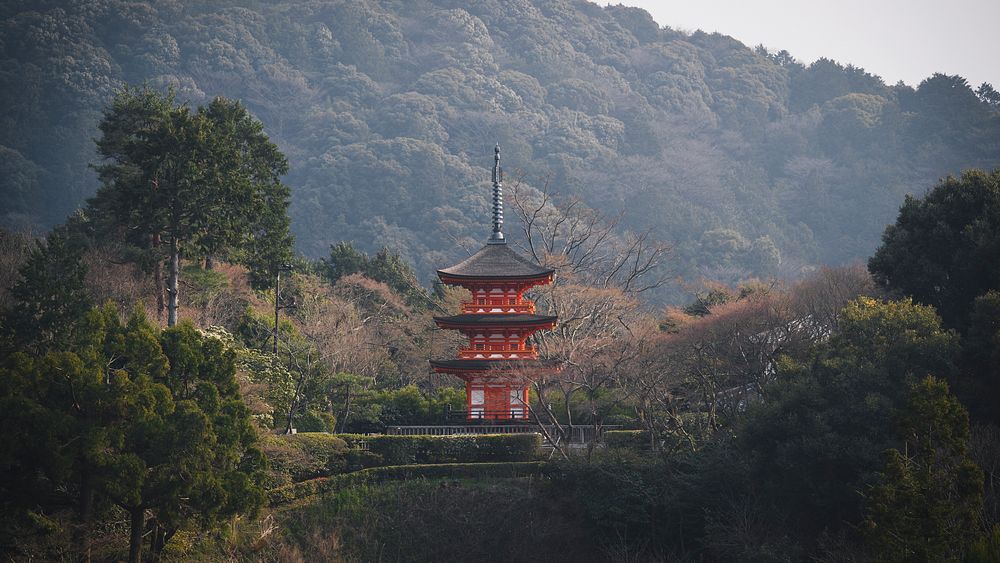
277, 300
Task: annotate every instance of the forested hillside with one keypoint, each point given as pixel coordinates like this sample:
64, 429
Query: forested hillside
747, 162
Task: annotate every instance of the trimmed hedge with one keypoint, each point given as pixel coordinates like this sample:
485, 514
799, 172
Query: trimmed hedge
632, 439
310, 455
307, 455
374, 475
403, 450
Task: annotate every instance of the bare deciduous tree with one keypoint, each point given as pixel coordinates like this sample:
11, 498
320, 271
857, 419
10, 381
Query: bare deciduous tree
600, 272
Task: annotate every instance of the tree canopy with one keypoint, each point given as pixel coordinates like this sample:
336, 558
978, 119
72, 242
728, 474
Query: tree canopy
943, 248
202, 184
123, 414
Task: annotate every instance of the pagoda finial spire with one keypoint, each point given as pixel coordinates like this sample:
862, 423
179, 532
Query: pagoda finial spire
497, 236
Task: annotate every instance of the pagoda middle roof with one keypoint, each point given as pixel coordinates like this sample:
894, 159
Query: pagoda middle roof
491, 365
496, 261
496, 319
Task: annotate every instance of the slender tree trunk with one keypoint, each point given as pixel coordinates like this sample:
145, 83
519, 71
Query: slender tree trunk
277, 307
160, 536
288, 419
597, 435
294, 406
570, 423
347, 410
158, 278
82, 533
555, 442
154, 536
175, 261
137, 518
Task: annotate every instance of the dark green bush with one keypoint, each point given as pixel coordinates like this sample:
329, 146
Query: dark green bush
312, 421
403, 450
303, 456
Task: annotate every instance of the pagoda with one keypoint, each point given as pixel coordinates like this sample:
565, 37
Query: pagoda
498, 364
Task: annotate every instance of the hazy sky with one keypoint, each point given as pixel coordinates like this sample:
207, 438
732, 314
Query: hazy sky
904, 40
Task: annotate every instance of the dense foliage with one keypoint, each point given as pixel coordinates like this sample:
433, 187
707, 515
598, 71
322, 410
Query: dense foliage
124, 416
175, 182
748, 162
943, 250
944, 247
928, 502
304, 456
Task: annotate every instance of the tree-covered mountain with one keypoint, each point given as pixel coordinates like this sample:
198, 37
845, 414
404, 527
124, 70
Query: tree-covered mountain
748, 162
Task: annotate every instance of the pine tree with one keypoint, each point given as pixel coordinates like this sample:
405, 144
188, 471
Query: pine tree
195, 183
926, 507
49, 298
152, 422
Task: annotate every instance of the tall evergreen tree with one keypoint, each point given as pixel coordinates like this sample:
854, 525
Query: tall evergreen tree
125, 415
386, 267
944, 248
195, 183
49, 298
926, 507
819, 437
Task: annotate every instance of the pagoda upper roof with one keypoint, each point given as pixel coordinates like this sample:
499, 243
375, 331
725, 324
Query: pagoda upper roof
496, 261
496, 319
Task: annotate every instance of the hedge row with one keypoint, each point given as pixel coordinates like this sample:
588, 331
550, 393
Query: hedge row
299, 457
309, 455
403, 450
295, 491
633, 439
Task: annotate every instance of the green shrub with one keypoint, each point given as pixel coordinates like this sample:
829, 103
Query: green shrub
403, 450
201, 285
303, 456
312, 421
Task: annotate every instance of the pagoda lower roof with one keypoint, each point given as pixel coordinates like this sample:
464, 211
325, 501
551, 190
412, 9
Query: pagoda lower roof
489, 365
496, 319
496, 261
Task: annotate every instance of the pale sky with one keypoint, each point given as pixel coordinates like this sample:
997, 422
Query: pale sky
904, 40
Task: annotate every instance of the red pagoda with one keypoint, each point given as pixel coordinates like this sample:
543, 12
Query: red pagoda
498, 363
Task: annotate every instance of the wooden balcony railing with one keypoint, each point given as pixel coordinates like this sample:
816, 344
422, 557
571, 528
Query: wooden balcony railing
515, 414
575, 435
526, 352
504, 305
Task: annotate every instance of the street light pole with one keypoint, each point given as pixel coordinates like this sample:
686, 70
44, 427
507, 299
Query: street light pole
277, 301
